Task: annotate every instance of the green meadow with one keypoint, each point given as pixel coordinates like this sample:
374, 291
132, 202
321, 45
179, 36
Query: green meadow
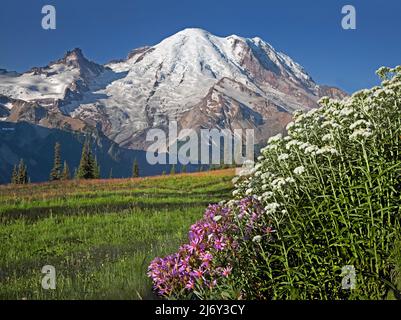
100, 235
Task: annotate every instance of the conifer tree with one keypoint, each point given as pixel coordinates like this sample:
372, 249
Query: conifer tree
14, 176
135, 169
55, 173
96, 168
86, 168
22, 176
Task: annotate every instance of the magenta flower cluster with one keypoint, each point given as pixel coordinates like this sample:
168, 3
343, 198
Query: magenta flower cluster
210, 253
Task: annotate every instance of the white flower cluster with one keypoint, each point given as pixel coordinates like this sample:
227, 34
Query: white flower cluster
360, 133
318, 138
299, 170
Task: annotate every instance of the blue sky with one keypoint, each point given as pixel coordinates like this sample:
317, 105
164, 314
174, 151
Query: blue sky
307, 30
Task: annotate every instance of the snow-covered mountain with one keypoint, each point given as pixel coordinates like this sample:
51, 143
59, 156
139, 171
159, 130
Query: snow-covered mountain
199, 79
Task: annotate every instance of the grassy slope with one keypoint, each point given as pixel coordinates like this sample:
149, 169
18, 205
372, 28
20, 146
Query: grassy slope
100, 235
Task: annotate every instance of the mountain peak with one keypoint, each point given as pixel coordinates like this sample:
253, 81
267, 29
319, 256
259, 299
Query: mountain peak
234, 80
75, 58
75, 55
193, 31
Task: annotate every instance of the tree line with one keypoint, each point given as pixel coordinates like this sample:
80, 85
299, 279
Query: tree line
88, 168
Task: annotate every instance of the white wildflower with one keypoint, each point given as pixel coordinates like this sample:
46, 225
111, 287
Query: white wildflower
361, 133
327, 124
311, 113
271, 147
298, 117
311, 149
359, 123
346, 111
257, 238
272, 207
290, 180
331, 123
304, 145
275, 138
292, 143
278, 183
290, 125
327, 137
265, 175
283, 156
324, 100
267, 195
327, 149
299, 170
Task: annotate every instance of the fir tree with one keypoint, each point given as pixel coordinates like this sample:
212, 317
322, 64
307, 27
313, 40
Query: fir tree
14, 176
55, 173
135, 169
22, 176
96, 169
86, 168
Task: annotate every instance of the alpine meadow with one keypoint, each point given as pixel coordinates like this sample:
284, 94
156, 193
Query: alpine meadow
200, 159
100, 235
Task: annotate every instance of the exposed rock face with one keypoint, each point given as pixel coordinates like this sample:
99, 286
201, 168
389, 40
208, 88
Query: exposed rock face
193, 77
220, 109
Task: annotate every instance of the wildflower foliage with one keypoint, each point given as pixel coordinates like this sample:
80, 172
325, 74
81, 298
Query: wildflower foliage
325, 196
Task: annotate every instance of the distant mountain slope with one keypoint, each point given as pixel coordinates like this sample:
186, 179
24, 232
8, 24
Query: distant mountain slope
160, 83
196, 78
35, 144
